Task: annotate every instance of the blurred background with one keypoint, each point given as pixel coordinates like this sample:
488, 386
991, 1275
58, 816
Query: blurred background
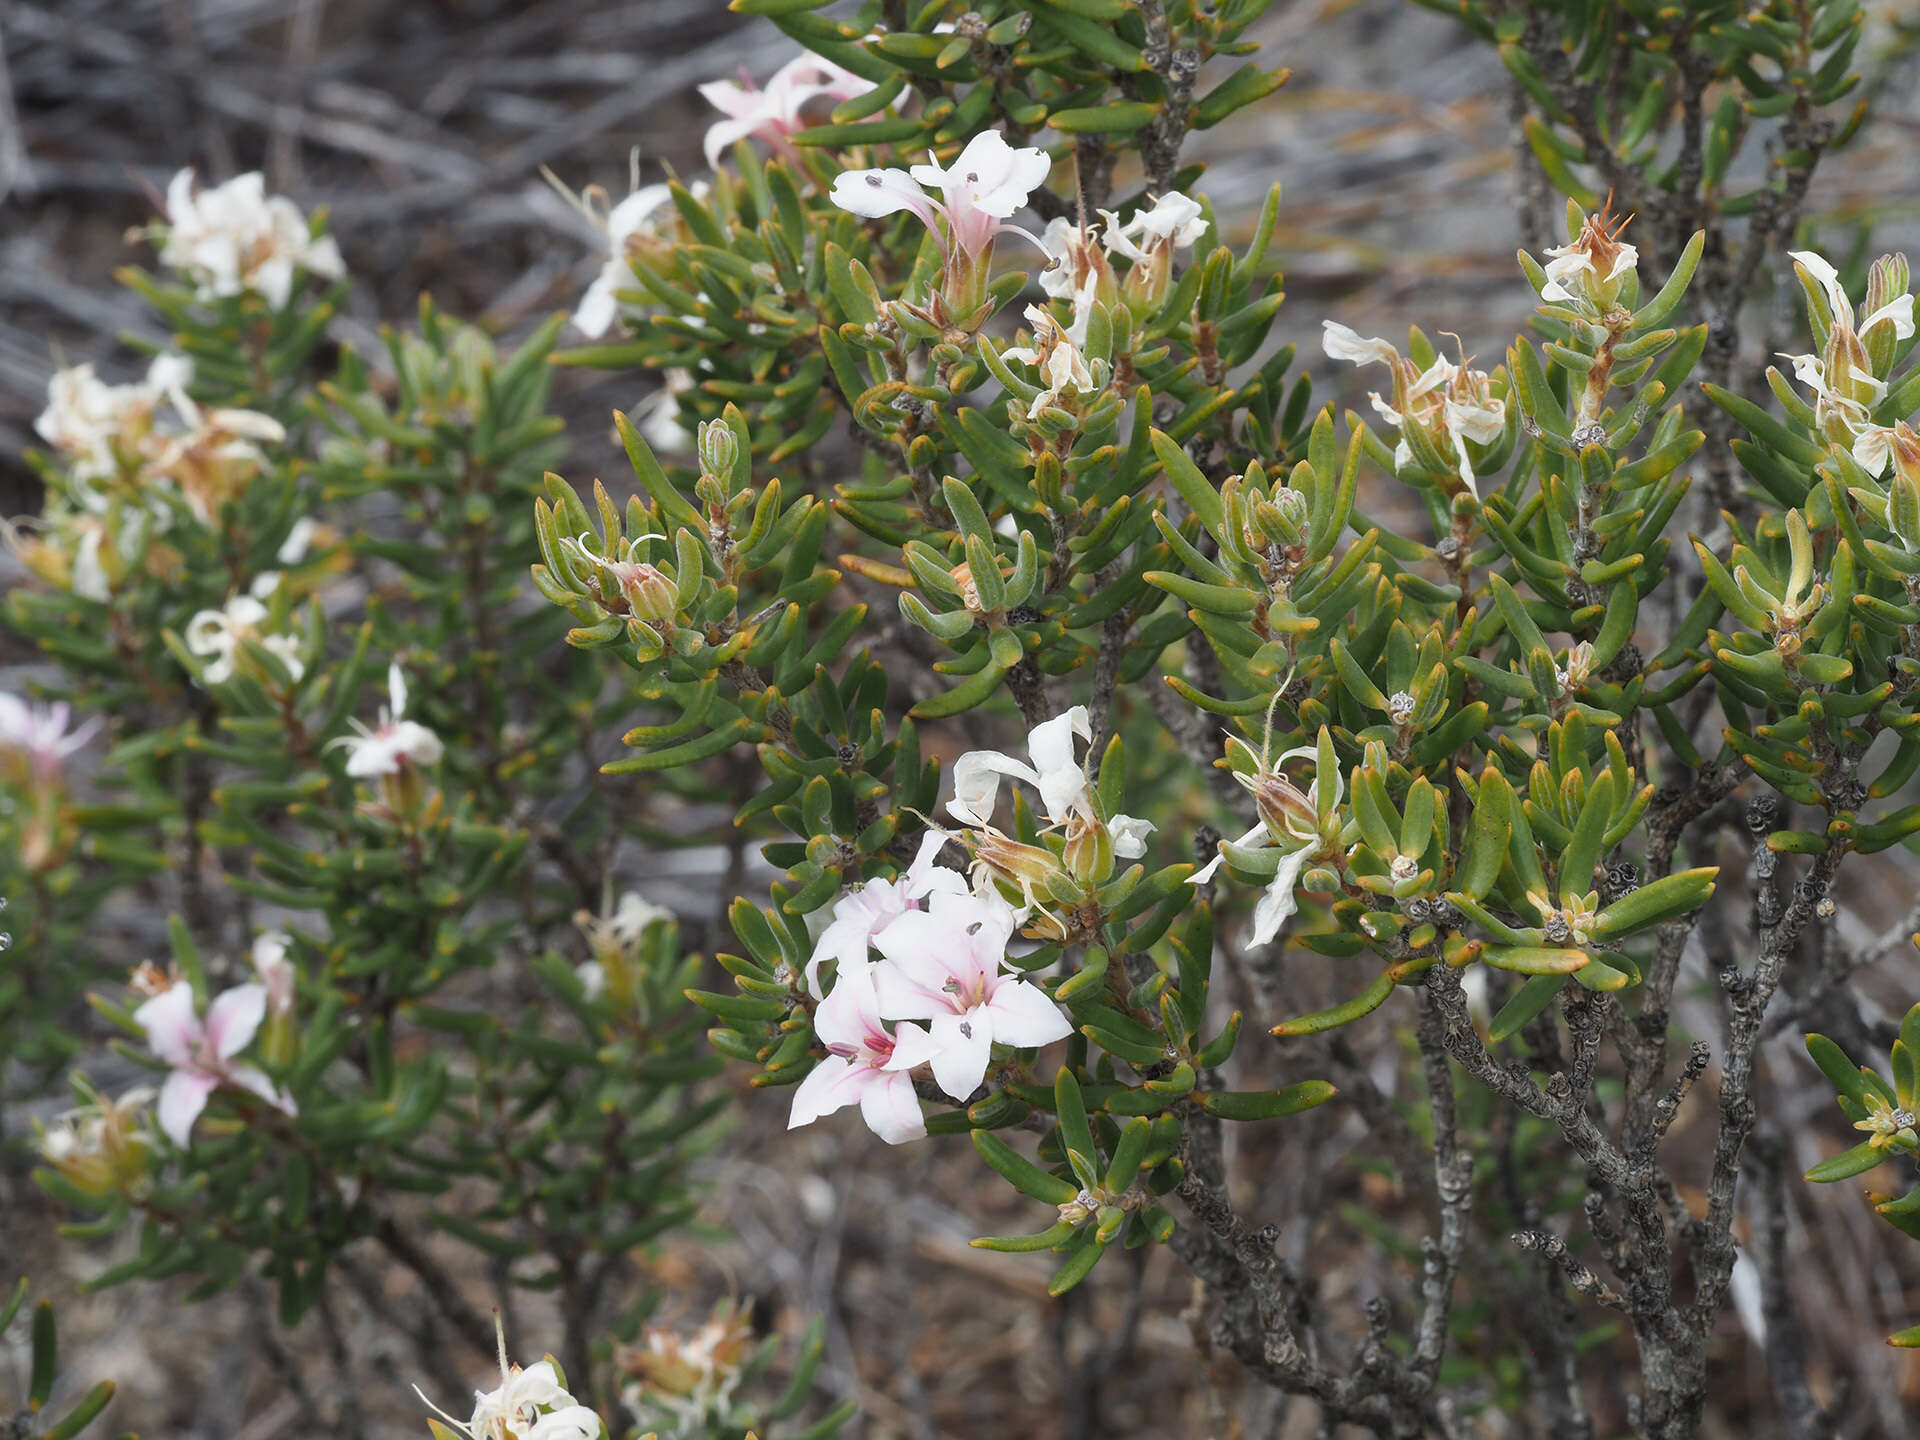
422, 125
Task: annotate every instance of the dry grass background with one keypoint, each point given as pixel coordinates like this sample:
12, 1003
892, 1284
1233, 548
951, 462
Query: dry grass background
422, 124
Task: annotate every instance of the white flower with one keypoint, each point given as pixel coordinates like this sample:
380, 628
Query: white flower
396, 743
861, 912
1451, 404
92, 424
218, 633
89, 577
529, 1404
630, 218
944, 964
774, 113
1898, 311
1078, 271
236, 238
865, 1065
1055, 773
1289, 820
1591, 267
1055, 356
985, 185
633, 915
1174, 221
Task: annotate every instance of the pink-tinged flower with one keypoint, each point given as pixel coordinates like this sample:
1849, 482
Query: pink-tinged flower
865, 1064
40, 733
628, 221
774, 113
984, 186
860, 913
277, 973
944, 965
235, 237
396, 743
201, 1052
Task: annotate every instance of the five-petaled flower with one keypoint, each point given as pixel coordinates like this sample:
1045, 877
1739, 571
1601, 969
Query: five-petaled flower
946, 965
395, 743
865, 1065
235, 238
201, 1052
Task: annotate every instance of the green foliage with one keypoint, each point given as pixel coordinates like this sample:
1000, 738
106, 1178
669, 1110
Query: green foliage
1886, 1113
42, 1410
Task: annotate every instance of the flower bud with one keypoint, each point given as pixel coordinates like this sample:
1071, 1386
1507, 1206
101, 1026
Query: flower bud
1089, 851
1903, 490
651, 596
1887, 280
719, 449
1283, 808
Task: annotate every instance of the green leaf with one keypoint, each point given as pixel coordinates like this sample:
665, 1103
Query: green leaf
46, 1349
1848, 1163
1528, 1001
1656, 901
1121, 117
1025, 1176
1265, 1104
1202, 497
1834, 1064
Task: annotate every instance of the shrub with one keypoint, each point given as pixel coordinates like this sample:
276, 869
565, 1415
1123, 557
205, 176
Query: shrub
921, 476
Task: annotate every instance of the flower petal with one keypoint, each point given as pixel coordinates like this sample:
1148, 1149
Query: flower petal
891, 1109
182, 1098
1023, 1015
173, 1029
1342, 342
833, 1083
1277, 904
965, 1046
233, 1018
